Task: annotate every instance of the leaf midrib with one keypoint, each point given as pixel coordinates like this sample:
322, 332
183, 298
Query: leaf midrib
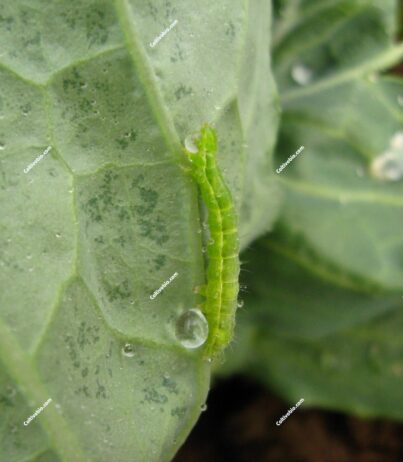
320, 192
148, 79
379, 62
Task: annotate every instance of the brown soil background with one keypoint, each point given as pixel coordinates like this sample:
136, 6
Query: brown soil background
239, 425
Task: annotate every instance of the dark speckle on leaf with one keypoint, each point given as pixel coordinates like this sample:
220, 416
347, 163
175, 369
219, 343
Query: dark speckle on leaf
100, 393
179, 411
182, 91
118, 291
97, 27
149, 199
230, 30
154, 230
170, 385
151, 395
159, 261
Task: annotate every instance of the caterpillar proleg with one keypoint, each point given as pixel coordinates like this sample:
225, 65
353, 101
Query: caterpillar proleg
221, 290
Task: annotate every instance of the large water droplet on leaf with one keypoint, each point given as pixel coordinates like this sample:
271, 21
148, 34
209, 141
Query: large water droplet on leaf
389, 165
192, 328
190, 144
128, 350
301, 74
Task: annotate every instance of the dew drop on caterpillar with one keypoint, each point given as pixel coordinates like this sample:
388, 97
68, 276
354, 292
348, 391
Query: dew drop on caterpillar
221, 290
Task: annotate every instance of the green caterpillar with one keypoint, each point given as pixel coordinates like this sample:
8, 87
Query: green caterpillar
221, 290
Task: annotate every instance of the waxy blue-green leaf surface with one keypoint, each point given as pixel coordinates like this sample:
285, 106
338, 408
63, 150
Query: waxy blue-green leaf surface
109, 214
345, 114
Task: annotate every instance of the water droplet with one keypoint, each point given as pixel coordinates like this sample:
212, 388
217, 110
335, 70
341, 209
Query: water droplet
190, 143
131, 302
217, 108
2, 146
240, 303
192, 328
203, 249
203, 407
400, 100
301, 74
28, 257
198, 231
128, 350
397, 141
58, 235
30, 270
389, 165
204, 225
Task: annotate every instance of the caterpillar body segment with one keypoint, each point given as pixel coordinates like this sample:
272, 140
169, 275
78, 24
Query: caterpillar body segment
221, 290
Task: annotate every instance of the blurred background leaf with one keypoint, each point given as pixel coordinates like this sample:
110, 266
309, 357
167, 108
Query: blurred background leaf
323, 302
